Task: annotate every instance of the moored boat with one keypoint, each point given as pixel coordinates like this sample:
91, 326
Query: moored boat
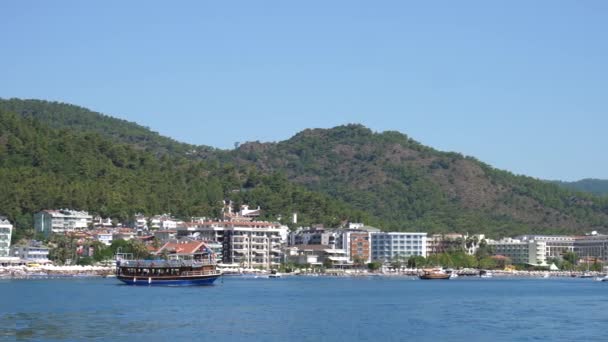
485, 274
167, 272
434, 274
274, 274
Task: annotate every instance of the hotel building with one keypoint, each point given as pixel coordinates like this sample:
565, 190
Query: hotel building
532, 252
387, 246
61, 221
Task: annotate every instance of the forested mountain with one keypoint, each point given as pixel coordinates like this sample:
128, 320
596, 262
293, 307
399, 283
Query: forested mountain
590, 185
67, 116
57, 155
414, 187
42, 167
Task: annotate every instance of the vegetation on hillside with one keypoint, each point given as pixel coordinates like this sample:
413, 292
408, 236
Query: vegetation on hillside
42, 168
59, 155
413, 187
594, 186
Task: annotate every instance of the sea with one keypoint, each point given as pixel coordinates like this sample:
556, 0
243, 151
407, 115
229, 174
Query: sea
306, 309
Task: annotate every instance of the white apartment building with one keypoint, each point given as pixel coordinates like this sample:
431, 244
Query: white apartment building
386, 246
532, 252
61, 221
104, 237
6, 230
557, 245
140, 222
247, 243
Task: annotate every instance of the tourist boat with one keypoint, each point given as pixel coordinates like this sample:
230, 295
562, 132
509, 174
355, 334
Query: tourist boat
434, 274
167, 272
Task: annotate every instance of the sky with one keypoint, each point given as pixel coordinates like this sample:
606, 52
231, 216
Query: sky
520, 85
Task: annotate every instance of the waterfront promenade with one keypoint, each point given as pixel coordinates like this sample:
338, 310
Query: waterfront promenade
24, 272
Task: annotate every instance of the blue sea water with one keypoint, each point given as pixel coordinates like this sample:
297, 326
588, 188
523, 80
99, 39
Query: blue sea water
307, 309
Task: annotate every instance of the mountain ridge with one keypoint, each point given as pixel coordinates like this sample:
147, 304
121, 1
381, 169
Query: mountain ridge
401, 183
591, 185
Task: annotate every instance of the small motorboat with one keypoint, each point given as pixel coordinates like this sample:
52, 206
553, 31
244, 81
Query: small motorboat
485, 274
604, 278
274, 274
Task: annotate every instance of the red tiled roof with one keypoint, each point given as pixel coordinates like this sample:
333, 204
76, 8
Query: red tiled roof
151, 248
182, 248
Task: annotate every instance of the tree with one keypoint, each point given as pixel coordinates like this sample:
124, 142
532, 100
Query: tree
358, 261
570, 257
416, 261
374, 266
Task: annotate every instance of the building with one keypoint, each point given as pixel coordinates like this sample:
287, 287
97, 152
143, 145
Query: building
6, 230
592, 246
33, 251
387, 246
244, 241
140, 222
185, 249
104, 236
101, 223
314, 236
358, 246
61, 221
252, 244
317, 255
165, 235
531, 252
354, 241
247, 243
557, 245
124, 234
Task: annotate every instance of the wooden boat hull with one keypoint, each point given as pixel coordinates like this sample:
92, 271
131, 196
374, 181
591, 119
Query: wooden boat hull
199, 280
435, 277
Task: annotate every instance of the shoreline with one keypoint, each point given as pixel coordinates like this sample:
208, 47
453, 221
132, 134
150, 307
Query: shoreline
50, 271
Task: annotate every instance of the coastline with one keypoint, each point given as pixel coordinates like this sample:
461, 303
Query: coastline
51, 271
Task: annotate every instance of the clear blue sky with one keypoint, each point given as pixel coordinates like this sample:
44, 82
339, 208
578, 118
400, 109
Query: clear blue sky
521, 85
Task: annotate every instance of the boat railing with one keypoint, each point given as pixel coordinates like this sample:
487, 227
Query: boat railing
198, 273
165, 263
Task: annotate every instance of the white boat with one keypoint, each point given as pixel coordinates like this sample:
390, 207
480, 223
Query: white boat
452, 273
274, 274
485, 274
604, 278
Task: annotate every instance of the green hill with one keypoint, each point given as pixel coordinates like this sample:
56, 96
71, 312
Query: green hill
56, 155
594, 186
413, 187
66, 116
43, 167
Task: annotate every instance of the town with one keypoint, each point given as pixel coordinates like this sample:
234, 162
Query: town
240, 242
